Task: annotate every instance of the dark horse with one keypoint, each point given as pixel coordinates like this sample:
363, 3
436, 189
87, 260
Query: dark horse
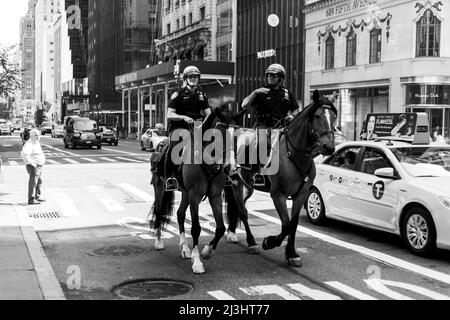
199, 181
308, 135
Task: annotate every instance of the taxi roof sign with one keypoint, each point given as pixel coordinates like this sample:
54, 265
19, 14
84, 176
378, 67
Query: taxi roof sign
408, 127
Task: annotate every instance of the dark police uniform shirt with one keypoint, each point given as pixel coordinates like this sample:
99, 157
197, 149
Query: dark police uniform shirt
275, 104
190, 104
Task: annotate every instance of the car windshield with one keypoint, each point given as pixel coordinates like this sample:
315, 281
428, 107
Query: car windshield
159, 133
85, 125
424, 161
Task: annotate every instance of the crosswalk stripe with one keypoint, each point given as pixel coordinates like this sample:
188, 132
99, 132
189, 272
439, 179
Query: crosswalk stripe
350, 291
312, 293
269, 290
13, 163
105, 199
71, 161
64, 202
137, 192
221, 296
108, 159
89, 160
52, 161
129, 160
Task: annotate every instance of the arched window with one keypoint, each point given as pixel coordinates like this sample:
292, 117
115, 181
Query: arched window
428, 35
375, 46
351, 49
329, 53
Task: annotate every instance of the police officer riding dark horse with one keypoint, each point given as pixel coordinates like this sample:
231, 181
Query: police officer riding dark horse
187, 105
274, 105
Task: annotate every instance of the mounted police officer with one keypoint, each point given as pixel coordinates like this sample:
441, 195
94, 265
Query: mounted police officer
187, 105
272, 104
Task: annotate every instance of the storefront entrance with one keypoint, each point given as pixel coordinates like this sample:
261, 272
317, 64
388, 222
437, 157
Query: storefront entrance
439, 121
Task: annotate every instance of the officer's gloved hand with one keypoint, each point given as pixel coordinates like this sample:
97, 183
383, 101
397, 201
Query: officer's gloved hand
189, 121
289, 119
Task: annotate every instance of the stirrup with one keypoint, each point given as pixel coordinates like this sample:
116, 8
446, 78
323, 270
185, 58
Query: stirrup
259, 180
171, 185
228, 183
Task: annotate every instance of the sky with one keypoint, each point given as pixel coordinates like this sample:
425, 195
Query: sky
10, 13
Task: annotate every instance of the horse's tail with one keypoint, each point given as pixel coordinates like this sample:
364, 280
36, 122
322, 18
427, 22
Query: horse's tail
162, 209
231, 208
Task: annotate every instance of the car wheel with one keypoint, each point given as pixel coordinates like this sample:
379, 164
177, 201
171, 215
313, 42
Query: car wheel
116, 144
315, 208
142, 146
110, 144
419, 231
99, 147
73, 146
66, 146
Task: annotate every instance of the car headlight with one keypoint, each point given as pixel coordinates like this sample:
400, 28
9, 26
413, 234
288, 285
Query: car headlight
445, 201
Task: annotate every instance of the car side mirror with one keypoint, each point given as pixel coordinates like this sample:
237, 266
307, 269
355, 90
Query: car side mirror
386, 173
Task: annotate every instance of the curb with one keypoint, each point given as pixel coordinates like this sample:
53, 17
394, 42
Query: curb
49, 285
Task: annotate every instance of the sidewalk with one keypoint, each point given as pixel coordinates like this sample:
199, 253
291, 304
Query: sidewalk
25, 272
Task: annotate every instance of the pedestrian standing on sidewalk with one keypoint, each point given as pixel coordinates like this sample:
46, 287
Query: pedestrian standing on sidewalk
34, 159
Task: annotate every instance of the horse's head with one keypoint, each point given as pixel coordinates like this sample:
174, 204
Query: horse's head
323, 115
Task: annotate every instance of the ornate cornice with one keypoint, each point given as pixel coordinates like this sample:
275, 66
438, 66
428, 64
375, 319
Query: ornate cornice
320, 4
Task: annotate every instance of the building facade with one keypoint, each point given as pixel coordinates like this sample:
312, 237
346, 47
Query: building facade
46, 13
380, 56
71, 56
197, 30
269, 31
120, 38
27, 56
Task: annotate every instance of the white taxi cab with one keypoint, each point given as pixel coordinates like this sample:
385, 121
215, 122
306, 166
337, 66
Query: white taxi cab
395, 184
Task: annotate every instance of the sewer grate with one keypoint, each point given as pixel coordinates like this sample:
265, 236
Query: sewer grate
46, 215
152, 289
118, 251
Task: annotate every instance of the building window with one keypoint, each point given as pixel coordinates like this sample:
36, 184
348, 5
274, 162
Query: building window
225, 23
224, 53
329, 53
351, 49
375, 46
202, 13
428, 35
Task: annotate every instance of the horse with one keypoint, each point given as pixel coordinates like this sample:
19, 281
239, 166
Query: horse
198, 183
308, 135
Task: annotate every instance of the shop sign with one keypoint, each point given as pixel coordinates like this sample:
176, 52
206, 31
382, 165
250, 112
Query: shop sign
349, 6
267, 54
427, 94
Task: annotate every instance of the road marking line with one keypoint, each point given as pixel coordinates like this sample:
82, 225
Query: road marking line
123, 152
130, 160
59, 150
221, 296
52, 161
105, 199
137, 192
13, 163
378, 286
350, 291
382, 257
269, 290
312, 293
89, 160
71, 161
64, 202
107, 159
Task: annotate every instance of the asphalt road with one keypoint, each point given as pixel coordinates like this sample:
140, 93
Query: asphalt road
95, 235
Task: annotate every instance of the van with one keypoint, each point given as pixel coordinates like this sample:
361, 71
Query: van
81, 132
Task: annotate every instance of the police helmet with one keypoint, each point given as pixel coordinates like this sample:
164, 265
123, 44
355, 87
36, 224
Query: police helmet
277, 69
191, 71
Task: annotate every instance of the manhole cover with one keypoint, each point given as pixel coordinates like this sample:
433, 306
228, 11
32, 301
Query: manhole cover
152, 289
46, 215
118, 251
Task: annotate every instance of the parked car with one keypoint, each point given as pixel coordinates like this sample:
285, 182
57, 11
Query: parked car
151, 139
393, 186
5, 127
46, 127
81, 132
109, 135
57, 131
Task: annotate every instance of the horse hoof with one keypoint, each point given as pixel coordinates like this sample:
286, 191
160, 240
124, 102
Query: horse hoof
265, 244
253, 250
159, 245
207, 253
295, 262
198, 269
186, 253
232, 237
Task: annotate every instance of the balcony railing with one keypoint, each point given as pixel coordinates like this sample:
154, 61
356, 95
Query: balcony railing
199, 25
